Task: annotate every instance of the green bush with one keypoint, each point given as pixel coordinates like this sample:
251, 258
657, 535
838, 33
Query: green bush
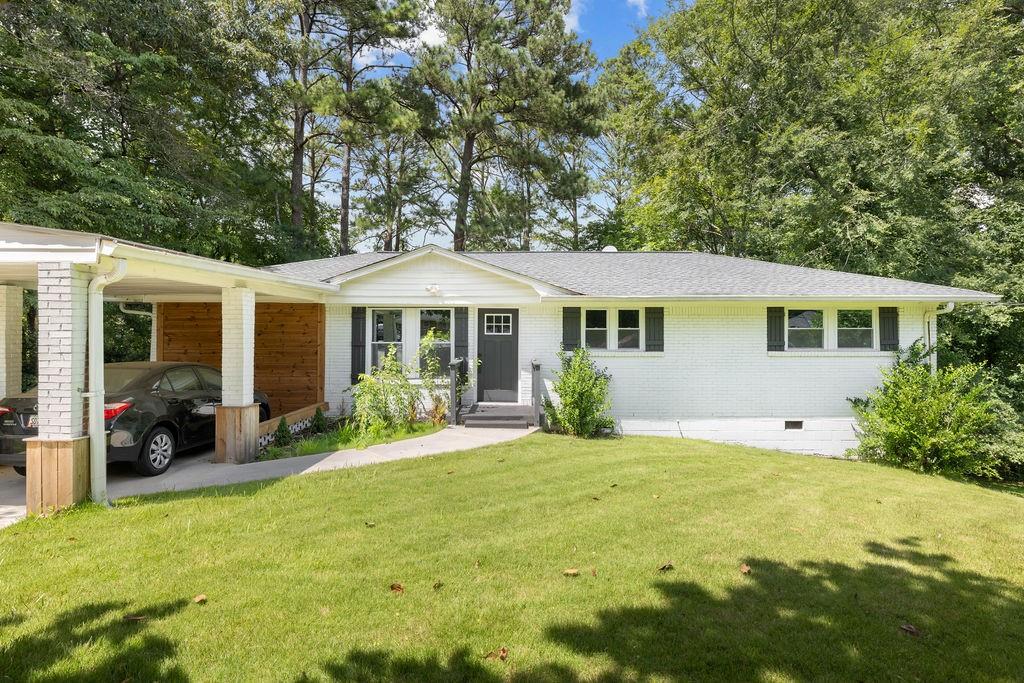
583, 401
318, 425
283, 434
384, 400
950, 422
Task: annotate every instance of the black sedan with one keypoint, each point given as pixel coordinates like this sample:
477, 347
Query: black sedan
152, 411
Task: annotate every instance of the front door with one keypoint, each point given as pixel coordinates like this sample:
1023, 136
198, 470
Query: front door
498, 339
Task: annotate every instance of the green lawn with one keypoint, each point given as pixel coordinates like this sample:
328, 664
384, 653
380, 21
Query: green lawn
298, 573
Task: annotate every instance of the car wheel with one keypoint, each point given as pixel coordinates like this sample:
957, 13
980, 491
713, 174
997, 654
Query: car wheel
157, 453
20, 469
264, 412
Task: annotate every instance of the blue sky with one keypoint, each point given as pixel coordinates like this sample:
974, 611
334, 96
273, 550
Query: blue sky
610, 24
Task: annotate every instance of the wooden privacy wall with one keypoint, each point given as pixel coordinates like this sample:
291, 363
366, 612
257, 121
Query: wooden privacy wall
289, 365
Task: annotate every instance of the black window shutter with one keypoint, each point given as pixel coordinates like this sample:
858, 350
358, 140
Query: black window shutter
461, 342
654, 329
571, 328
776, 328
358, 342
889, 328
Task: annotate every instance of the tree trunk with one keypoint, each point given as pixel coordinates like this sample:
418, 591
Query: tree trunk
527, 229
298, 142
344, 234
465, 184
299, 114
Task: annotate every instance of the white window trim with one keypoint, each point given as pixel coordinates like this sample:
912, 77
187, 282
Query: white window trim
417, 312
410, 331
830, 341
510, 332
612, 330
370, 342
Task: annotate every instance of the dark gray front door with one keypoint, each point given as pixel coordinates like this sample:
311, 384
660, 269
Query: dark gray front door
498, 339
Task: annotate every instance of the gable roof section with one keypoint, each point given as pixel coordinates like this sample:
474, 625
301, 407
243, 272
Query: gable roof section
664, 275
357, 265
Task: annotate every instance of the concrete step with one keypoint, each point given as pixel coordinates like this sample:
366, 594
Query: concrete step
494, 423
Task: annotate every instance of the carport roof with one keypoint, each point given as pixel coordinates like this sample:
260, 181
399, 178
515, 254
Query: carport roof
153, 274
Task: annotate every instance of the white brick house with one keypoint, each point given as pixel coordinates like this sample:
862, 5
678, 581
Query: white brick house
697, 345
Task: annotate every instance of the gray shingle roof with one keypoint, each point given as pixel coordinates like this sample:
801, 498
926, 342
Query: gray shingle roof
669, 275
326, 268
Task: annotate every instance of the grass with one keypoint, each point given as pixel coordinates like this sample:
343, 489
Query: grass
341, 438
298, 573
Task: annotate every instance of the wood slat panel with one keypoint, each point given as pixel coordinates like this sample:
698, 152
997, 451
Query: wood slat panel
289, 362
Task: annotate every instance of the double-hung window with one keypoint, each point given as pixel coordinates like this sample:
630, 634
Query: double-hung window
805, 329
613, 329
855, 329
629, 328
595, 328
438, 321
387, 333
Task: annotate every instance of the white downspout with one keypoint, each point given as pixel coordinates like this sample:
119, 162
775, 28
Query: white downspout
152, 325
97, 392
933, 339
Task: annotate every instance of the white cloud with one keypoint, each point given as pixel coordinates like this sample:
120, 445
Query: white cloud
639, 5
572, 17
430, 36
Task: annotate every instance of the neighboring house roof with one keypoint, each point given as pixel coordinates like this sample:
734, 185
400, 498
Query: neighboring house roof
660, 274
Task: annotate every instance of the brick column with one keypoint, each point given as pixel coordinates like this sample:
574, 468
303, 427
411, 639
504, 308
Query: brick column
58, 459
237, 416
11, 302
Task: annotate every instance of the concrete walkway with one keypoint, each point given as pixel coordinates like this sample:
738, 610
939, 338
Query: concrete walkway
199, 470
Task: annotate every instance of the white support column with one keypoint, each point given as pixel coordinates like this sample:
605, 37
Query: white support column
154, 332
57, 461
238, 342
63, 297
11, 302
238, 415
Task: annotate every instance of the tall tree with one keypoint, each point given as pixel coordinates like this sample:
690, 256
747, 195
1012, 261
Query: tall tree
369, 34
396, 189
502, 64
307, 49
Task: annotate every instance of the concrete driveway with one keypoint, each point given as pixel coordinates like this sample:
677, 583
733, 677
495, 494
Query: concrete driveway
197, 470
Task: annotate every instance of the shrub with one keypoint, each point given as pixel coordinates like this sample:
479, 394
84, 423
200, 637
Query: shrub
583, 400
318, 425
950, 422
283, 434
384, 399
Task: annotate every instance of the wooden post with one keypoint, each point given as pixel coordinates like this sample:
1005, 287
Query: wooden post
536, 391
57, 473
453, 391
237, 434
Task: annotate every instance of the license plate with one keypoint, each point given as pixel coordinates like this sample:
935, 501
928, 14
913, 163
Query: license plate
33, 421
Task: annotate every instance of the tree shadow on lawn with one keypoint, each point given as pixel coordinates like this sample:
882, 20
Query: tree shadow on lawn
131, 654
907, 615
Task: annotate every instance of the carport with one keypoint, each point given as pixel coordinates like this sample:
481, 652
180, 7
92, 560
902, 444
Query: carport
74, 273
